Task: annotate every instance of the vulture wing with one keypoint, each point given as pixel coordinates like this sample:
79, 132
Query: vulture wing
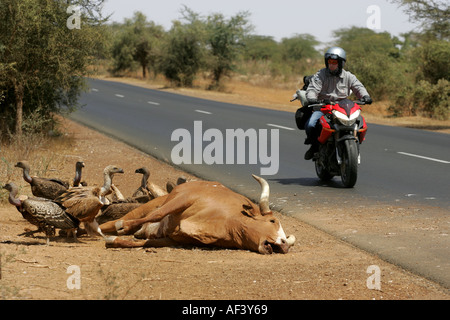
50, 213
47, 188
81, 202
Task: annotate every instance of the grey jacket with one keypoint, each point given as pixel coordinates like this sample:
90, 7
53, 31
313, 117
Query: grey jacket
334, 88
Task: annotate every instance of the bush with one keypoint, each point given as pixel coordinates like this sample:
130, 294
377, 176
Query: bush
433, 98
426, 99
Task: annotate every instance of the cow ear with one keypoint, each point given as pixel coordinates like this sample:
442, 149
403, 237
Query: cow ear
248, 211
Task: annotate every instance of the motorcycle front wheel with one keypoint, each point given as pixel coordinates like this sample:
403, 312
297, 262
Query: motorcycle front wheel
349, 165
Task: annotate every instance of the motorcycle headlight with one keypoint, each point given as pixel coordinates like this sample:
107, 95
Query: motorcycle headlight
347, 121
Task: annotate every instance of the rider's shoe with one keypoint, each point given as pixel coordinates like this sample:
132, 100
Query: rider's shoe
310, 153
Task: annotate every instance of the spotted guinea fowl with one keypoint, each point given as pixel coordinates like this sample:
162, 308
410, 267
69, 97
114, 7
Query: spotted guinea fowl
84, 203
43, 213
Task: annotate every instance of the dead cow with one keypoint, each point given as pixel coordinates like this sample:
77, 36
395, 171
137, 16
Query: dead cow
203, 213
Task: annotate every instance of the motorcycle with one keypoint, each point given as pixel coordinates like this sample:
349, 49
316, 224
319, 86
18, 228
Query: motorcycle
343, 129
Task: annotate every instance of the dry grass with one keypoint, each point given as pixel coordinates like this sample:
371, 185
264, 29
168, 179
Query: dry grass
47, 156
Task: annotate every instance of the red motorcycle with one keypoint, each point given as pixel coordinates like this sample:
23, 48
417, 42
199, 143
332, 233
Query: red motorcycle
343, 129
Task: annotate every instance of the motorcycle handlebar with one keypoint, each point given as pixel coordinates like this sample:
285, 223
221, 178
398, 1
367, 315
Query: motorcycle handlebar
323, 103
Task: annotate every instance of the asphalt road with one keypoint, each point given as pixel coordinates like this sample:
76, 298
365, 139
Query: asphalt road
402, 170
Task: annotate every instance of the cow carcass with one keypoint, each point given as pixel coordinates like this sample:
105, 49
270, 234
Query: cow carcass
203, 213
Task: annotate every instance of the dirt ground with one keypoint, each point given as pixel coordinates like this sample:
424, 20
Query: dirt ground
318, 267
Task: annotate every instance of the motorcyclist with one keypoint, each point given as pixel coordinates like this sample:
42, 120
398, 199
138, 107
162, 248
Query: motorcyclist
330, 84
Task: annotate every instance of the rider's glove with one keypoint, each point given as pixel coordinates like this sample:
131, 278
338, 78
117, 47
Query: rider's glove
367, 100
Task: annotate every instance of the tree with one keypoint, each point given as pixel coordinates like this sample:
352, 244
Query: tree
374, 58
42, 60
433, 62
434, 15
298, 52
260, 48
183, 49
138, 42
183, 54
225, 38
429, 58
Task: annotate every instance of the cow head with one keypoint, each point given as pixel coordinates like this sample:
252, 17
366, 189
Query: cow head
262, 230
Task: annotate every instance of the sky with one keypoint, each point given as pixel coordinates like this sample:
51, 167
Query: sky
278, 19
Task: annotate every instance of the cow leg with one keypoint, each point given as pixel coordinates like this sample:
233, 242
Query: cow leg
115, 242
173, 206
138, 213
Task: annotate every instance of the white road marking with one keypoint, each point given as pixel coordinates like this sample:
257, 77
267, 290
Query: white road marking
154, 103
119, 96
201, 111
423, 157
95, 90
281, 127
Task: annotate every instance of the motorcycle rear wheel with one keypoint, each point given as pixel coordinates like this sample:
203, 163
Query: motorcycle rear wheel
349, 166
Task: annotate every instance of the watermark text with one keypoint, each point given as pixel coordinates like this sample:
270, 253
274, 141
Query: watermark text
235, 146
374, 281
374, 20
74, 21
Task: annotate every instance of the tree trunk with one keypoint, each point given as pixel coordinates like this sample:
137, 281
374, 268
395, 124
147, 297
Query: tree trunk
19, 109
144, 71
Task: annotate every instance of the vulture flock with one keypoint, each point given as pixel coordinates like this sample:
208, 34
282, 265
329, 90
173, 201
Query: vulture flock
58, 205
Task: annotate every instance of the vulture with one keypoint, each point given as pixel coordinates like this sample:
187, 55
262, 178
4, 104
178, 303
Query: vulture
170, 185
143, 193
45, 187
43, 213
77, 180
120, 205
116, 211
84, 203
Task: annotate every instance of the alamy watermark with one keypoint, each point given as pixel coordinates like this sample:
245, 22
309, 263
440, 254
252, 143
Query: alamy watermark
374, 280
74, 21
374, 20
74, 280
235, 146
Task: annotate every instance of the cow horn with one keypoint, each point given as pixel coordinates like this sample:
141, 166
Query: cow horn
264, 200
290, 240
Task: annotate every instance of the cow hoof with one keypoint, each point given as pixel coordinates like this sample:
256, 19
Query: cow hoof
119, 227
110, 242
